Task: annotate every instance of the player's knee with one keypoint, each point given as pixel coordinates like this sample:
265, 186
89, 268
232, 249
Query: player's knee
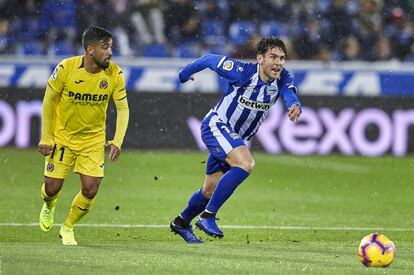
208, 188
248, 165
207, 192
90, 192
52, 186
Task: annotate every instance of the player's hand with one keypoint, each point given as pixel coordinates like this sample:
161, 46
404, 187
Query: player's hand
191, 78
45, 149
294, 112
114, 152
183, 80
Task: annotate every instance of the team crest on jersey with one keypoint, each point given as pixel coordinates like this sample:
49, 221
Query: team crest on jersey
228, 65
103, 84
271, 90
50, 167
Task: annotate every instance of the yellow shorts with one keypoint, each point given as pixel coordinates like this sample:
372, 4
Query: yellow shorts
60, 162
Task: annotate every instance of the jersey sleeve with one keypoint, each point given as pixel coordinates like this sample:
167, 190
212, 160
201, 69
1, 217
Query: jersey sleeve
122, 111
120, 89
222, 65
48, 115
122, 118
230, 69
58, 77
289, 90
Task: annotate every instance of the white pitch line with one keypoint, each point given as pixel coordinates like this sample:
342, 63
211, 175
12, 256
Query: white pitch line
266, 227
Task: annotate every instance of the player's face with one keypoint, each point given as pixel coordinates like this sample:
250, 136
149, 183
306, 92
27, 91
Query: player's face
102, 53
272, 63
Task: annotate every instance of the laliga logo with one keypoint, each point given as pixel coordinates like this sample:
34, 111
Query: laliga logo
322, 132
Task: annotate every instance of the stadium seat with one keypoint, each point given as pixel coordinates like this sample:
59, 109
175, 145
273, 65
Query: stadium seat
273, 28
32, 48
220, 49
241, 31
155, 50
26, 29
212, 32
62, 48
186, 51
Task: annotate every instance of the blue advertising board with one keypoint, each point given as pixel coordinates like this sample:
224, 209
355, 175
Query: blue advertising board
160, 75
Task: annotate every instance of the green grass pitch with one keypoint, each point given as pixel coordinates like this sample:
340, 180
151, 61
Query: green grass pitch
316, 210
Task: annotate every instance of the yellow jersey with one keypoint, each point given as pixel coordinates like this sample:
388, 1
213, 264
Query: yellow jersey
80, 111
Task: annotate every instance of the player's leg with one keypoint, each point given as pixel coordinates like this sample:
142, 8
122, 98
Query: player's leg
83, 201
57, 166
200, 198
91, 170
181, 225
242, 163
227, 146
49, 192
81, 205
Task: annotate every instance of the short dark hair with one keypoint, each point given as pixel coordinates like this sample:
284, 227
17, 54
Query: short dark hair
95, 34
269, 43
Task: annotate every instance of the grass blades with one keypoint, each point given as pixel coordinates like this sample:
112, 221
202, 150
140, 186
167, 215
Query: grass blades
340, 198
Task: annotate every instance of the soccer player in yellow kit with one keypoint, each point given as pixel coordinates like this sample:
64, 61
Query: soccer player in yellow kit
73, 126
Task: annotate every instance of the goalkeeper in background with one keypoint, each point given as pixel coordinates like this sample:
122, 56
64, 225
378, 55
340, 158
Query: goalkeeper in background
73, 126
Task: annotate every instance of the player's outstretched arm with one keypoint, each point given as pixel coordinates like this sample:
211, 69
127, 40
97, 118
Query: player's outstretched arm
206, 61
48, 114
122, 118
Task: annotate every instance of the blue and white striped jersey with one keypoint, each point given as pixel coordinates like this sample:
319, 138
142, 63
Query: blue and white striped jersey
247, 100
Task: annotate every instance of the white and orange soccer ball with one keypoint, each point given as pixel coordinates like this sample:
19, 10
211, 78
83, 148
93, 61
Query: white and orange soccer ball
376, 250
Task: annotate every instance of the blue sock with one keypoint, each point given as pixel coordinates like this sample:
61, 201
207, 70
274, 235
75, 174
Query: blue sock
225, 187
196, 205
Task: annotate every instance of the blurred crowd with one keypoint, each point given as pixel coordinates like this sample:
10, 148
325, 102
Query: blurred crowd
367, 30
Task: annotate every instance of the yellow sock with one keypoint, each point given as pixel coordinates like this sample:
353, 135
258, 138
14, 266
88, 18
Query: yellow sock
50, 201
80, 207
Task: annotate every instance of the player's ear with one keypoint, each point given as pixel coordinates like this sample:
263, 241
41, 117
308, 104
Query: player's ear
259, 58
89, 50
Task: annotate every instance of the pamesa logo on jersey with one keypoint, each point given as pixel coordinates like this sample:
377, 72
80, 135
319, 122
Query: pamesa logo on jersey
86, 98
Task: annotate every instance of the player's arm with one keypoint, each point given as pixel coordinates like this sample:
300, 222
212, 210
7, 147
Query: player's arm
53, 89
48, 115
122, 117
222, 65
289, 95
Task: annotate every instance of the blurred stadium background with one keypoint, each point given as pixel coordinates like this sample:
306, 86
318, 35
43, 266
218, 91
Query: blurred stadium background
368, 30
353, 63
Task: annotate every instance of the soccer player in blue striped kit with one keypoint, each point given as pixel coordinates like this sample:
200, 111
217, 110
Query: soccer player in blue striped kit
252, 90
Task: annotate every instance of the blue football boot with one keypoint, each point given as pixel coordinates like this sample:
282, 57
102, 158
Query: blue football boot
209, 226
186, 233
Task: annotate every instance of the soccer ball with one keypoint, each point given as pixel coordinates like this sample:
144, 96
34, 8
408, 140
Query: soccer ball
376, 250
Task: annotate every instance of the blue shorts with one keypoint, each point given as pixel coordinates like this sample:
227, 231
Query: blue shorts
220, 139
